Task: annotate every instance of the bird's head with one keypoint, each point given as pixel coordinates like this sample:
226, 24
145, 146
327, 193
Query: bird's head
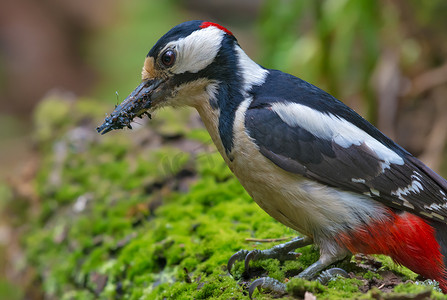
184, 67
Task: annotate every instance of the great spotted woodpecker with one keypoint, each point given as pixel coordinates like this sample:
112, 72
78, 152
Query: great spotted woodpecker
307, 159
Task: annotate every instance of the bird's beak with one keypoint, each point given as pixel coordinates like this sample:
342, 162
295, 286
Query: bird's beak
135, 105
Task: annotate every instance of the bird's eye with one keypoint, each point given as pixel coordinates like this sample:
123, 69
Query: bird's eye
168, 58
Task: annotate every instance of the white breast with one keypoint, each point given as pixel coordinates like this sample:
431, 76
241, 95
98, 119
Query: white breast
311, 208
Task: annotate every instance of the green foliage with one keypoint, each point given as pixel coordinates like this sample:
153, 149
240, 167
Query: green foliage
333, 44
50, 116
8, 291
119, 50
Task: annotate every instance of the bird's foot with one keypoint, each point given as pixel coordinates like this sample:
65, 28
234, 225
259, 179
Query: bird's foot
280, 288
268, 283
310, 273
327, 275
281, 252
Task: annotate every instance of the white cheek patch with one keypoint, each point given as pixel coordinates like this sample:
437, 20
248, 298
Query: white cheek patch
331, 127
196, 51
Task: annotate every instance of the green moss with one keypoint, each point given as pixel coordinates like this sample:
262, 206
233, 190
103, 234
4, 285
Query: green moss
344, 288
298, 287
170, 122
406, 291
389, 264
50, 117
370, 275
420, 287
115, 209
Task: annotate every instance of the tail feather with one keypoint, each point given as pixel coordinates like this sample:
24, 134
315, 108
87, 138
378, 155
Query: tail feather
410, 240
441, 238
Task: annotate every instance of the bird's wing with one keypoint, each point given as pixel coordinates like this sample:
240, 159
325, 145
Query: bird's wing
352, 155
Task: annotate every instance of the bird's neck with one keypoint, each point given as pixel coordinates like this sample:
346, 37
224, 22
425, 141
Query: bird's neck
250, 72
225, 95
210, 118
233, 91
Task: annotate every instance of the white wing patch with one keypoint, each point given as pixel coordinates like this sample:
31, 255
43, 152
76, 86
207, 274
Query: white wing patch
331, 127
358, 180
374, 192
414, 187
436, 206
196, 51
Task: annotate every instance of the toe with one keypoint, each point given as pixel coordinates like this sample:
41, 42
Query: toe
240, 255
250, 256
327, 275
268, 283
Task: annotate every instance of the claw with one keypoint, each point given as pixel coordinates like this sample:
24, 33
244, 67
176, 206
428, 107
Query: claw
250, 256
281, 252
255, 284
327, 275
240, 255
267, 283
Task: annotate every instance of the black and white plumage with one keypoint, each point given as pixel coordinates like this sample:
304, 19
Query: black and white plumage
307, 159
306, 131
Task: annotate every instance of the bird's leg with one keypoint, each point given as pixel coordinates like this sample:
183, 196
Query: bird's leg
326, 259
281, 252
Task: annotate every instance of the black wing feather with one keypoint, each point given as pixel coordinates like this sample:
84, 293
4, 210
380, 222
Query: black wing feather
356, 168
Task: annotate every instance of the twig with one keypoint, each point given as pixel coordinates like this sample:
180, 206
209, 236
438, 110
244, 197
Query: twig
267, 240
437, 138
428, 80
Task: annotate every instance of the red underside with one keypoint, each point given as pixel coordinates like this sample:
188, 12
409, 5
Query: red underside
407, 239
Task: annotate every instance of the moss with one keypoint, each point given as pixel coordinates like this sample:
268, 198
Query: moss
120, 219
370, 275
343, 288
50, 117
298, 287
421, 287
389, 264
405, 291
171, 123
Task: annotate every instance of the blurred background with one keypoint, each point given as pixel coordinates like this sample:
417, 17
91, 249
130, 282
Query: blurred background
386, 59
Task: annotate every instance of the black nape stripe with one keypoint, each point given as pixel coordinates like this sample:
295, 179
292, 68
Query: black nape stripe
229, 95
225, 72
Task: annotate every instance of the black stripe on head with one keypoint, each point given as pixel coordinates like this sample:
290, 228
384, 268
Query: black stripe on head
224, 71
